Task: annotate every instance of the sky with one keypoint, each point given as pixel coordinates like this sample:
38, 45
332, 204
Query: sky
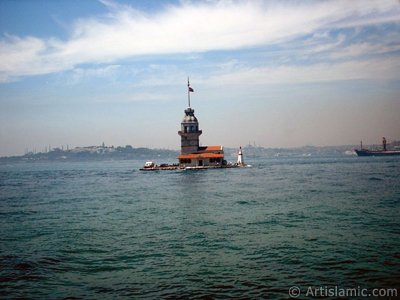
273, 73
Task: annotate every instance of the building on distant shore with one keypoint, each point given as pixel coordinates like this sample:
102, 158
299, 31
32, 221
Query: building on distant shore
192, 154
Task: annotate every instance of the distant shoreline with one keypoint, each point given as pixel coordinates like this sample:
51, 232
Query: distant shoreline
129, 153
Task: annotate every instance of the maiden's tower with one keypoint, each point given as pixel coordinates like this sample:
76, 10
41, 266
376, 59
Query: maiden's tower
192, 154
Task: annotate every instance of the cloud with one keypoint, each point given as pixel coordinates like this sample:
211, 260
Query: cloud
377, 69
191, 27
29, 56
18, 54
361, 49
81, 73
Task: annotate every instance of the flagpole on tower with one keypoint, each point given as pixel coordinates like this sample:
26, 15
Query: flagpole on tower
188, 92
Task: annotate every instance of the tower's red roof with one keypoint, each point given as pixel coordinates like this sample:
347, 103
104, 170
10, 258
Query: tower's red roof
211, 148
200, 155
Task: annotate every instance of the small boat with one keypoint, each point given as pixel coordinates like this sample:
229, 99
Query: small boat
149, 165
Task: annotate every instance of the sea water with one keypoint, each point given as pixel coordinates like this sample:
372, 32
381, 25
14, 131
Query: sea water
105, 230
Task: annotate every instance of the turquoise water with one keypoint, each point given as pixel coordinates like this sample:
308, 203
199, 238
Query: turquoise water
104, 230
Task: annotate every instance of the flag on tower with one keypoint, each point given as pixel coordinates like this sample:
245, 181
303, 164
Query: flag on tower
189, 88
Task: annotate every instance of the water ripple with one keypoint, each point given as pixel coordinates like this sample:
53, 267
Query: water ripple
105, 230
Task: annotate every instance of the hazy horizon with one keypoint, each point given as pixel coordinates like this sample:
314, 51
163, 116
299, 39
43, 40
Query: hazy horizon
66, 147
280, 73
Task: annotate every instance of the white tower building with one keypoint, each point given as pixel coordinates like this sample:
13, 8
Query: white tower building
240, 157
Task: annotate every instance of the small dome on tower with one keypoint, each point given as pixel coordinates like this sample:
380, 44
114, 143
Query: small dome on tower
189, 119
189, 116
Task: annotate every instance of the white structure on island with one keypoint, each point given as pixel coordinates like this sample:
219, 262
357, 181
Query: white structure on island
240, 161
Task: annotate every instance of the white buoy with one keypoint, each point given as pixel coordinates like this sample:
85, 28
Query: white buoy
240, 157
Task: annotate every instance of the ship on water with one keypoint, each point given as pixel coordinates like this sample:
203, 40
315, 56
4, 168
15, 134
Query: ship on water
194, 156
383, 152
